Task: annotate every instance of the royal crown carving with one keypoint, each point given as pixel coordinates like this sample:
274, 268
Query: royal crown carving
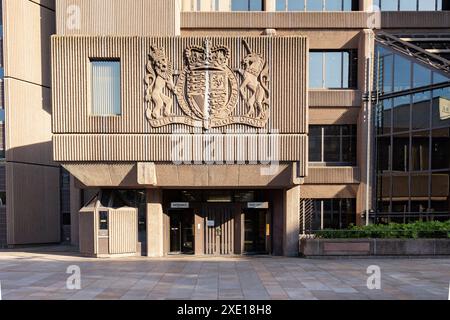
207, 89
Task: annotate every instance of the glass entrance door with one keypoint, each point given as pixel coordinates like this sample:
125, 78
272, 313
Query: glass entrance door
255, 231
182, 232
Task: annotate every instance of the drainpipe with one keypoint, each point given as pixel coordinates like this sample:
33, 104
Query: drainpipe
369, 88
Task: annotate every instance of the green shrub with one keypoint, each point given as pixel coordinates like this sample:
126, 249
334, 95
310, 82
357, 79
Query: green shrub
416, 230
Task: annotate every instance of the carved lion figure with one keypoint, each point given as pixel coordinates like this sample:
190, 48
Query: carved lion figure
159, 76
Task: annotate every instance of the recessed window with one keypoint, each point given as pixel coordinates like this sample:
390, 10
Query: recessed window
334, 145
105, 88
247, 5
332, 69
316, 5
412, 5
333, 214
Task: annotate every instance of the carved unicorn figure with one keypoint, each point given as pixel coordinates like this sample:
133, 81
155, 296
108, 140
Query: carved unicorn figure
160, 76
254, 89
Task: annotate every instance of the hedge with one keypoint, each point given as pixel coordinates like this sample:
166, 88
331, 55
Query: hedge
416, 230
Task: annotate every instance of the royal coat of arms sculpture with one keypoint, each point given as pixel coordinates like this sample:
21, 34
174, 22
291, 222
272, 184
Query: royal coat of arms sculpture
207, 89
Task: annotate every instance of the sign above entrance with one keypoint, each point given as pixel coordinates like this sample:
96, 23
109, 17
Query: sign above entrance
211, 223
179, 205
258, 205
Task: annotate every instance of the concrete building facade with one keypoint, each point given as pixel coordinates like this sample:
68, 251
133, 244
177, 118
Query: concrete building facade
207, 127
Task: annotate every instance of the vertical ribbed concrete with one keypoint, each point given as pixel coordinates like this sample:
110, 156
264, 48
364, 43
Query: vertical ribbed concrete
155, 223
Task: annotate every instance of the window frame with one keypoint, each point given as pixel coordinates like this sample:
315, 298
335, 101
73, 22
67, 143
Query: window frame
248, 7
353, 129
353, 4
93, 60
438, 6
352, 76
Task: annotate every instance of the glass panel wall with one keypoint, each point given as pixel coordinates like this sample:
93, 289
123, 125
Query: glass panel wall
412, 5
332, 214
332, 69
222, 5
334, 145
413, 142
316, 5
398, 73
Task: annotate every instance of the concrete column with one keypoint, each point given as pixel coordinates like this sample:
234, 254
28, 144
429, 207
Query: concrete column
291, 227
270, 5
365, 129
199, 232
277, 200
365, 5
75, 206
155, 223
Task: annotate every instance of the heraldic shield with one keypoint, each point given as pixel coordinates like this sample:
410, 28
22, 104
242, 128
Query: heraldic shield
207, 89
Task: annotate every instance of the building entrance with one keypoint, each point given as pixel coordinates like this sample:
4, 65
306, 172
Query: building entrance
181, 231
218, 222
219, 228
256, 231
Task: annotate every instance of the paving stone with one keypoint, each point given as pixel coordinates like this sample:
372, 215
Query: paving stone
43, 276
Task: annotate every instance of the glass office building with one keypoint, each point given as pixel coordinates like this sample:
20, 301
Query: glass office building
413, 139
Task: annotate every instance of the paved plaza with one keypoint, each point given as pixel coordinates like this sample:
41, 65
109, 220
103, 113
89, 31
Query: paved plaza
34, 275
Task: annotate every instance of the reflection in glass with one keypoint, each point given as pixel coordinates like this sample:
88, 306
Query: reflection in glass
386, 116
331, 149
439, 78
408, 5
402, 73
421, 76
316, 69
440, 113
400, 152
420, 151
428, 5
246, 5
440, 200
314, 5
440, 149
315, 144
333, 66
296, 5
420, 111
387, 73
389, 5
384, 153
401, 113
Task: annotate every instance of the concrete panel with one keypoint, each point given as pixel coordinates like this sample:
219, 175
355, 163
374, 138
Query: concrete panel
33, 211
291, 227
274, 20
27, 27
333, 116
123, 233
332, 175
118, 17
328, 191
28, 129
334, 98
155, 223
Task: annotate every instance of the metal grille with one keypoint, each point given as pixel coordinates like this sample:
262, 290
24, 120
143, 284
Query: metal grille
306, 216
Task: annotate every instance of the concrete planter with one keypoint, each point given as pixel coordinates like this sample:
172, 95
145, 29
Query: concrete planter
374, 247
